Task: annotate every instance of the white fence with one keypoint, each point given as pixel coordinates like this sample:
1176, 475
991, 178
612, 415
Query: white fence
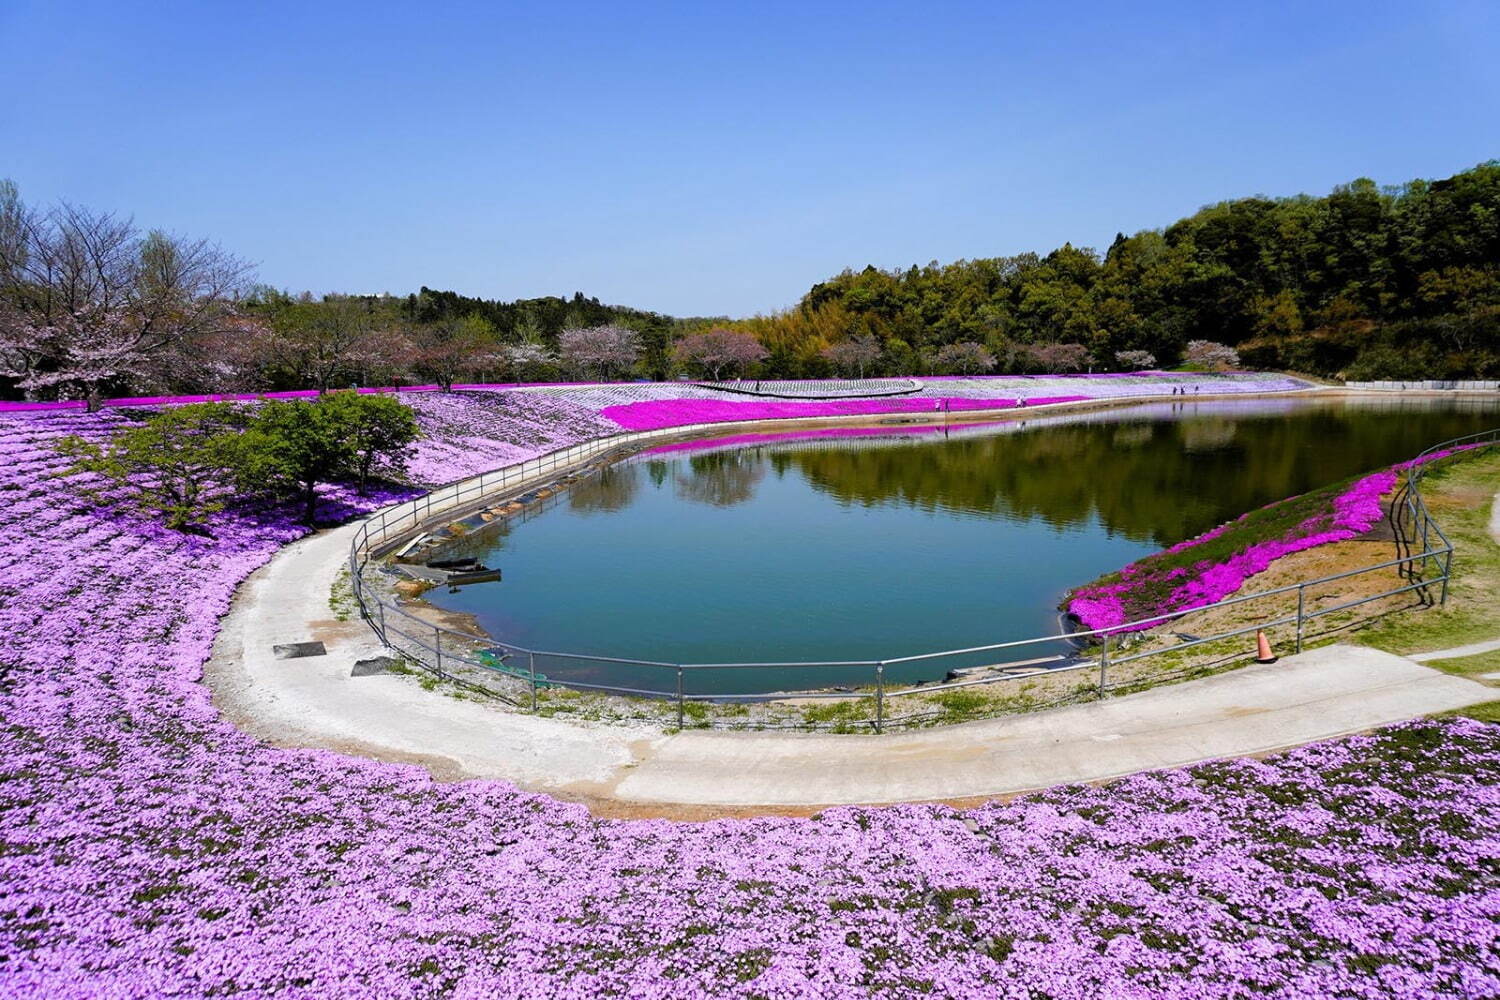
1462, 385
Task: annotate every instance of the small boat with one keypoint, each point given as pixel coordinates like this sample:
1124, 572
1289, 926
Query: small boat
465, 564
450, 572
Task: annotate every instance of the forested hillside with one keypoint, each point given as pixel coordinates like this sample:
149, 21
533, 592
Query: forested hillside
1368, 282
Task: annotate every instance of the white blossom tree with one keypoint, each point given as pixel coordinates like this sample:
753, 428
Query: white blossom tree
719, 351
1059, 357
855, 355
1210, 355
599, 351
87, 302
964, 358
530, 361
1135, 360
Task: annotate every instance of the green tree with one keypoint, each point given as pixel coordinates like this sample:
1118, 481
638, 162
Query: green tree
379, 431
292, 447
180, 464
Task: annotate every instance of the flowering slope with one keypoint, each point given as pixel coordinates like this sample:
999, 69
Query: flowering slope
1217, 563
466, 433
978, 387
148, 848
651, 414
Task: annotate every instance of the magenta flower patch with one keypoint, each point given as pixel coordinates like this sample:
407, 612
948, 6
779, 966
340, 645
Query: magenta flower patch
654, 414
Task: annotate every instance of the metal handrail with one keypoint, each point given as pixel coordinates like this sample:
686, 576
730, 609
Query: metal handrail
461, 495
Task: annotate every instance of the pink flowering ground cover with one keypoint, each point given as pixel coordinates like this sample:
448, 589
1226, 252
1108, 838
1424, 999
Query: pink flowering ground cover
653, 414
1217, 563
466, 433
150, 849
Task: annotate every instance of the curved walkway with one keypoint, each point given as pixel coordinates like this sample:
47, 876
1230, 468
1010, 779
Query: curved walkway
314, 701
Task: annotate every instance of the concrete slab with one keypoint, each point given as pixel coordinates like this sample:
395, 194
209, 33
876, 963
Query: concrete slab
296, 650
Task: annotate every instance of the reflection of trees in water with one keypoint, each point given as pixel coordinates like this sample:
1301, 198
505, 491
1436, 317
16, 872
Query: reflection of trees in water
611, 488
722, 478
1171, 482
1133, 435
1211, 434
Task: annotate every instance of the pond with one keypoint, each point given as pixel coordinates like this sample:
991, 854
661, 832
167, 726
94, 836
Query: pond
886, 542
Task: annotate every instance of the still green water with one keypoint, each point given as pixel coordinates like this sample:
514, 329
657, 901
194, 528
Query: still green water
855, 547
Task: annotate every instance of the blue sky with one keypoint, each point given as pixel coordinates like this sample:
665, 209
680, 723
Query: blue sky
715, 158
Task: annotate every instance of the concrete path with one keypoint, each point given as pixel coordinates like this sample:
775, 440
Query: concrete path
1323, 693
1456, 652
313, 701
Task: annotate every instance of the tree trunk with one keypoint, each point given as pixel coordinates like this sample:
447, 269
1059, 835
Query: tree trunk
310, 496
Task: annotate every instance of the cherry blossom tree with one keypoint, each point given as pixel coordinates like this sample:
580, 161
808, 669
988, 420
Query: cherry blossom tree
87, 302
964, 358
600, 351
454, 349
1135, 360
1059, 357
1210, 355
719, 351
233, 357
530, 361
854, 355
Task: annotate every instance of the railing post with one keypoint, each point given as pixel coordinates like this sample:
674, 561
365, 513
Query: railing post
1103, 666
880, 697
531, 663
1301, 598
1447, 572
679, 697
437, 644
380, 606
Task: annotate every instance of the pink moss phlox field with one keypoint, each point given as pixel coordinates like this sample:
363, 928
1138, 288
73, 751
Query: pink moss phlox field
654, 414
12, 406
150, 849
1351, 513
466, 433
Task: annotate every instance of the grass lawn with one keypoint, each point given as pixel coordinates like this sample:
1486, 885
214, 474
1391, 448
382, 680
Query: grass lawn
1485, 711
1473, 667
1460, 496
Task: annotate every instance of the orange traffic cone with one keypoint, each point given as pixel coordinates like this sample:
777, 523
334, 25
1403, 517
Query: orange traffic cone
1263, 652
